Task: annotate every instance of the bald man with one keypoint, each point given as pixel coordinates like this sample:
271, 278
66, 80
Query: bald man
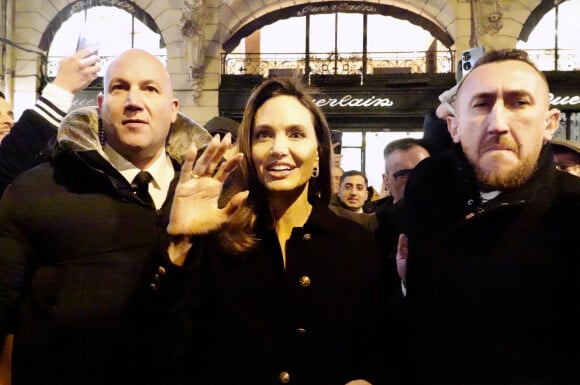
80, 236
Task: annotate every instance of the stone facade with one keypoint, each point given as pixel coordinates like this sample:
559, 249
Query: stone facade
497, 25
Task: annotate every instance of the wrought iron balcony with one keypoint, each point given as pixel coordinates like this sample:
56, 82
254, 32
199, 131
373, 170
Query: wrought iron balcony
53, 63
354, 63
373, 63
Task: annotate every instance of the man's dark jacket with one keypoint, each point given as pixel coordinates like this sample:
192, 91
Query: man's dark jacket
27, 144
77, 253
492, 288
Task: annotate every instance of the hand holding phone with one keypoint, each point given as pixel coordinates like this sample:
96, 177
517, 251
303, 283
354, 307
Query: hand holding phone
336, 139
89, 39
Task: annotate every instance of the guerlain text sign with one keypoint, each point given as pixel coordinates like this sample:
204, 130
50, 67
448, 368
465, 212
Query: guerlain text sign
337, 7
564, 100
350, 101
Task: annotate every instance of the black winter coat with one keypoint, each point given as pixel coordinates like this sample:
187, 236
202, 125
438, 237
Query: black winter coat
492, 288
26, 146
77, 251
319, 321
79, 275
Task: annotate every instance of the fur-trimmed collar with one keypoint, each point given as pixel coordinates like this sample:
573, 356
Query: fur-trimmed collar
79, 131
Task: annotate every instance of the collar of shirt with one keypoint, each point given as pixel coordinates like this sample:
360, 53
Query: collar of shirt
161, 170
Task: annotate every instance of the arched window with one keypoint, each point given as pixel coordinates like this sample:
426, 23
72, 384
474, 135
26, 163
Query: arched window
556, 33
339, 43
553, 44
110, 29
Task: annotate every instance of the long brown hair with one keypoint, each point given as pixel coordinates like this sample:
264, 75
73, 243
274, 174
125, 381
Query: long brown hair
238, 236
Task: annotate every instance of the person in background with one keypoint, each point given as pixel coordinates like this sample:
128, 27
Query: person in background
283, 290
401, 156
373, 196
29, 137
336, 174
491, 240
80, 236
353, 190
221, 125
567, 155
6, 117
350, 199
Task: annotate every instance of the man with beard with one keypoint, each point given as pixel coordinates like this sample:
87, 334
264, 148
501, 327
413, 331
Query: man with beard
492, 240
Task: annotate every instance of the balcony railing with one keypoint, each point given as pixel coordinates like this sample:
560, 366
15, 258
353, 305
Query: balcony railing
53, 62
354, 63
556, 60
414, 62
417, 62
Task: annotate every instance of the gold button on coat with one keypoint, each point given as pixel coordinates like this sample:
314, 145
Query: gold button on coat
305, 281
284, 377
306, 237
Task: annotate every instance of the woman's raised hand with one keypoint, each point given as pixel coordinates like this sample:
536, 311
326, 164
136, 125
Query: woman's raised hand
195, 208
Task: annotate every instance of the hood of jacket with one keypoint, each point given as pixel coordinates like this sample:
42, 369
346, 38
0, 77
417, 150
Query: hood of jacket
79, 132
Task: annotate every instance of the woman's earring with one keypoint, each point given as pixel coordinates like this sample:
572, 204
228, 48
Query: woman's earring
315, 170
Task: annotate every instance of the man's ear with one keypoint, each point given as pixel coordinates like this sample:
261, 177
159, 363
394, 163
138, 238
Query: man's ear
552, 122
453, 128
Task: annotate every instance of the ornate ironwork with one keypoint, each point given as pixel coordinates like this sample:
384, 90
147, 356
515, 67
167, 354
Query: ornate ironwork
269, 64
354, 63
54, 61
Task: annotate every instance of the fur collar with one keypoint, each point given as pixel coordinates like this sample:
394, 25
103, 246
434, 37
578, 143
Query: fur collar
79, 131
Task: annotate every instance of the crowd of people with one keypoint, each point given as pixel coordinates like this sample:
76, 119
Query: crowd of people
138, 247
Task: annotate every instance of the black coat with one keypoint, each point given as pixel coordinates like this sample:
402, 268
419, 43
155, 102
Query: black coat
320, 319
77, 251
492, 288
76, 257
26, 146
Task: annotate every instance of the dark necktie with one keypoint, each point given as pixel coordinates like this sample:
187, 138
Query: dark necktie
140, 186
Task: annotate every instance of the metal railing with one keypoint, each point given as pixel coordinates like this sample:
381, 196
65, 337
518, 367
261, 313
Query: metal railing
556, 60
350, 63
354, 63
53, 63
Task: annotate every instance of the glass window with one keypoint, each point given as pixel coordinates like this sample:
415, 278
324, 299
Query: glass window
112, 29
350, 33
384, 34
271, 36
544, 37
322, 34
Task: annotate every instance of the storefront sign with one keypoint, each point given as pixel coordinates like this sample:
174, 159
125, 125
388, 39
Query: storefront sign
340, 7
564, 100
350, 101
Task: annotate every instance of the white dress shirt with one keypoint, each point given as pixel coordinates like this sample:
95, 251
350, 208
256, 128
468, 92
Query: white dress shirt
161, 170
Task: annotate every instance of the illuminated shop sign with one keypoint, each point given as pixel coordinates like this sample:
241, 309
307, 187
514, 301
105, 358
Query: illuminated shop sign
350, 101
564, 100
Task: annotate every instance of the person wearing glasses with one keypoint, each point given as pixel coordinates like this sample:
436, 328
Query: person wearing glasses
401, 156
